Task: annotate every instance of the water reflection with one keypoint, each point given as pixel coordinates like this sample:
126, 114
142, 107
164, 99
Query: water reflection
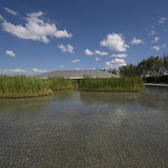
155, 97
33, 104
109, 97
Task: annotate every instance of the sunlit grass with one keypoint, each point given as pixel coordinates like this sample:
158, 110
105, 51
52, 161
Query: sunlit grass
22, 86
123, 84
61, 83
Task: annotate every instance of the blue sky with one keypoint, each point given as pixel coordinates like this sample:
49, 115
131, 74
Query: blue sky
38, 36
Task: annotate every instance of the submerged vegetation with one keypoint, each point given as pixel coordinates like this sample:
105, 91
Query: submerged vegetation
123, 84
22, 86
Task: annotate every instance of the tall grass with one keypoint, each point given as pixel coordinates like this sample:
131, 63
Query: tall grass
22, 86
61, 83
123, 84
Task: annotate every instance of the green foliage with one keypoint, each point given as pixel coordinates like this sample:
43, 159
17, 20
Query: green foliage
153, 66
112, 71
123, 84
61, 83
22, 86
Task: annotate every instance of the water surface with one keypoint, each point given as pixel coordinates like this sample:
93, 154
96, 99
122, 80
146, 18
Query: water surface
73, 129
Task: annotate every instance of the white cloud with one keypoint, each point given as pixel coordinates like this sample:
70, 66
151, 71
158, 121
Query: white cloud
162, 20
61, 66
100, 53
10, 53
66, 48
76, 60
11, 11
157, 48
1, 18
136, 41
151, 33
77, 69
116, 63
12, 71
115, 42
164, 45
156, 39
119, 55
97, 59
88, 52
36, 28
94, 68
38, 70
62, 34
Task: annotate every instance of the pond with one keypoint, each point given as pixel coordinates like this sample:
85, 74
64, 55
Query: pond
73, 129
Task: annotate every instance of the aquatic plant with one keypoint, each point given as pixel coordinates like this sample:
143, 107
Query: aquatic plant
61, 83
23, 86
123, 84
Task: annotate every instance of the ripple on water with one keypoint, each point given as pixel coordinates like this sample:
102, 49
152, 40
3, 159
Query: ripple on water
85, 129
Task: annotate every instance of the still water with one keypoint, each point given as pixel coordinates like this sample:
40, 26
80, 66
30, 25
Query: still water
73, 129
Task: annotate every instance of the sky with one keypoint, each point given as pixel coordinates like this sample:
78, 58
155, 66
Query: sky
40, 36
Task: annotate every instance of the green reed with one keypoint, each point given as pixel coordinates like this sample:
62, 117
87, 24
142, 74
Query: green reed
61, 83
22, 86
123, 84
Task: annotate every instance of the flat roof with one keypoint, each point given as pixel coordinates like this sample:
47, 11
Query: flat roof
77, 74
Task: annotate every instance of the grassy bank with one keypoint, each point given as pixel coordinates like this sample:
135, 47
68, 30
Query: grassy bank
22, 86
61, 83
123, 84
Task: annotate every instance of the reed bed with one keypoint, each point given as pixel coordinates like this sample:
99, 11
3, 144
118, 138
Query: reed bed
123, 84
22, 86
61, 83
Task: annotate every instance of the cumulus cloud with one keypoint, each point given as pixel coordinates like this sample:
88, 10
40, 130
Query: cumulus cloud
76, 60
77, 69
36, 28
97, 59
116, 63
157, 48
10, 53
66, 48
61, 66
62, 34
100, 53
162, 20
151, 33
38, 70
11, 11
12, 71
136, 41
156, 39
115, 42
88, 52
94, 68
119, 55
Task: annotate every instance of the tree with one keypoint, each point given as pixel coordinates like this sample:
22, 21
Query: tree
112, 71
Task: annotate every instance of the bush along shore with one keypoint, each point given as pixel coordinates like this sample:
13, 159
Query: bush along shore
123, 84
